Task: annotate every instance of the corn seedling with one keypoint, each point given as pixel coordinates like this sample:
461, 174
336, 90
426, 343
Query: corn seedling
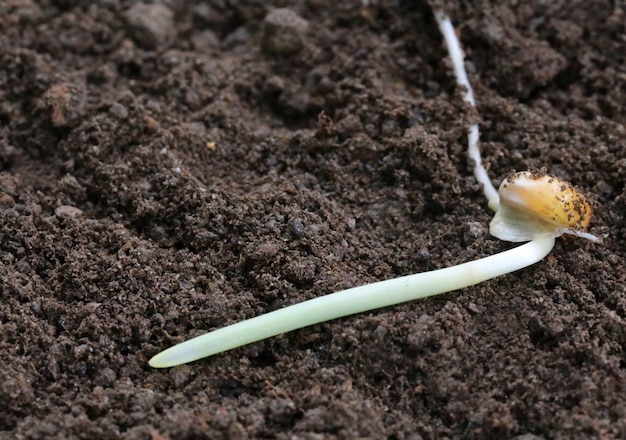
528, 206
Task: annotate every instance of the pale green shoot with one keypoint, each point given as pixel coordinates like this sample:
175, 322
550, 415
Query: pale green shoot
352, 301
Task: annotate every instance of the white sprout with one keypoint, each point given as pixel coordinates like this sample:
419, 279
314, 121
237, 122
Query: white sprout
381, 294
456, 55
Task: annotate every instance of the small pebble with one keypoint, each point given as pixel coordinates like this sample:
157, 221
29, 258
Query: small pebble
151, 25
284, 32
65, 104
118, 111
205, 40
106, 377
180, 375
473, 231
297, 228
67, 211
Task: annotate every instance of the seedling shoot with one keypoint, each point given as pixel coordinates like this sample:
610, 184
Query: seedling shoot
529, 206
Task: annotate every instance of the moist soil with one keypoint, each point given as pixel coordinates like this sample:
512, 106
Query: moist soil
170, 167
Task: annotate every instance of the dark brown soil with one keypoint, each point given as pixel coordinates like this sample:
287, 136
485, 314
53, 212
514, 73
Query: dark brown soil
173, 166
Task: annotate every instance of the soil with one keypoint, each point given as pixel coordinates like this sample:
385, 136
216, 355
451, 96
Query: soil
173, 166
